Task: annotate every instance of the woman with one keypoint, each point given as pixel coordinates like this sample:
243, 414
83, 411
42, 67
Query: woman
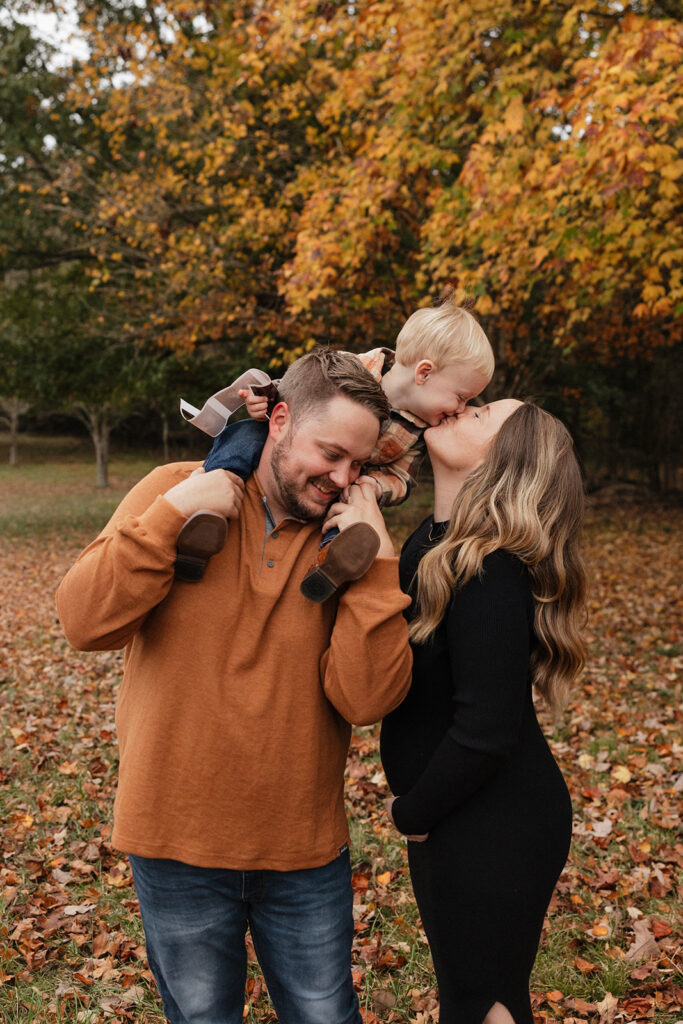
498, 585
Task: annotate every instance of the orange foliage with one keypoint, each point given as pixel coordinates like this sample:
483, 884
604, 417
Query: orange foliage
314, 171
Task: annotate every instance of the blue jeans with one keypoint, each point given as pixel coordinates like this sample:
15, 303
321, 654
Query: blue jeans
301, 923
238, 447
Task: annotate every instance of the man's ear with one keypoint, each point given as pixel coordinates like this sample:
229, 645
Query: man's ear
280, 419
422, 371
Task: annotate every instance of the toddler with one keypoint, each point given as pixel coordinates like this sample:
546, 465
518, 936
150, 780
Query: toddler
442, 360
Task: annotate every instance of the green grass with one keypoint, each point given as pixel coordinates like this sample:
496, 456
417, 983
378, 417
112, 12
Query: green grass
53, 491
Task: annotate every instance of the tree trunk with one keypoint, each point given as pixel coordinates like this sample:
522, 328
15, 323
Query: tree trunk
12, 409
164, 436
99, 422
101, 441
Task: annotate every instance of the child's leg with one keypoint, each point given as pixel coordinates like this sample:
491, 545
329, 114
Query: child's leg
238, 448
328, 537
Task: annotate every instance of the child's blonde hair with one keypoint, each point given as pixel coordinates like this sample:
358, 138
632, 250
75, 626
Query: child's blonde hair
446, 334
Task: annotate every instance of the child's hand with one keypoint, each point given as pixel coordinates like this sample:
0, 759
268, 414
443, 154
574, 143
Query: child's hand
359, 505
257, 405
365, 480
378, 487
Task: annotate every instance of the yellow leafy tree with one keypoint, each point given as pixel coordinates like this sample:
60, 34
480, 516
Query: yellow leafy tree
278, 175
570, 201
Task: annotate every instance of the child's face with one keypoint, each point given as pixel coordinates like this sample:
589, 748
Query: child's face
436, 394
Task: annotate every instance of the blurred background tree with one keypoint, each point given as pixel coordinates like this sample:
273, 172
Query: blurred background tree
234, 183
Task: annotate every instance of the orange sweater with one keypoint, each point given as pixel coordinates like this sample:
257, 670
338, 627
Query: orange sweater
237, 694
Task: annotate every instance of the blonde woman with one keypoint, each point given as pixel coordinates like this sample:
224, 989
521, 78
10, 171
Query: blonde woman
498, 585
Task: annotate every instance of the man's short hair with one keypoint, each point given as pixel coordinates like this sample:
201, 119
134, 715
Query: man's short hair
446, 334
324, 374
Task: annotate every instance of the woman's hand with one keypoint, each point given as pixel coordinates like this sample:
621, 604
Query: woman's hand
360, 506
388, 804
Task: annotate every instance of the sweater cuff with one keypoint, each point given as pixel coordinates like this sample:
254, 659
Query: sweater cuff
161, 523
382, 573
401, 813
381, 583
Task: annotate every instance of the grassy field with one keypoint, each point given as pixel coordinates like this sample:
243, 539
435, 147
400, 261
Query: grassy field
71, 944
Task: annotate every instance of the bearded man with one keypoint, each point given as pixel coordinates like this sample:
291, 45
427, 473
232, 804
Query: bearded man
234, 715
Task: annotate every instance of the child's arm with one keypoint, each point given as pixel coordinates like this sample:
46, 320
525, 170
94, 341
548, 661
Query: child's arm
397, 479
218, 409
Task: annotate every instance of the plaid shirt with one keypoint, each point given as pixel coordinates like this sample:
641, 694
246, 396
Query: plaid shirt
400, 446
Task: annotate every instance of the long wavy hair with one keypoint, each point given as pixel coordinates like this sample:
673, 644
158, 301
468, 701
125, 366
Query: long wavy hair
526, 497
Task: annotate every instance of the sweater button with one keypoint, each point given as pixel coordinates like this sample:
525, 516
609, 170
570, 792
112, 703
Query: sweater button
275, 535
270, 563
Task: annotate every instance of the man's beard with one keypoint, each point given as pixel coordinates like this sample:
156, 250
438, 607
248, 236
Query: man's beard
289, 495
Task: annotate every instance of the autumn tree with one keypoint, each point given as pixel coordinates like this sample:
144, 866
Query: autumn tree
526, 153
255, 178
189, 220
30, 236
570, 233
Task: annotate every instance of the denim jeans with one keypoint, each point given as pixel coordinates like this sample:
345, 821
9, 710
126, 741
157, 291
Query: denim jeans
238, 447
301, 923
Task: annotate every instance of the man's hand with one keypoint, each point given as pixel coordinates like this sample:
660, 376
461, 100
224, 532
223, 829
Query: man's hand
359, 505
257, 405
219, 491
388, 804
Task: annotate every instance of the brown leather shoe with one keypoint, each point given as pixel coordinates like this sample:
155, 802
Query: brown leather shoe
349, 556
202, 536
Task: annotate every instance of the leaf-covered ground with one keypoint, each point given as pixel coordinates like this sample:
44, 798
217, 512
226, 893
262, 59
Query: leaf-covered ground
71, 945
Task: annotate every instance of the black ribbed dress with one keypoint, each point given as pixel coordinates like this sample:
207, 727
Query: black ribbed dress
467, 759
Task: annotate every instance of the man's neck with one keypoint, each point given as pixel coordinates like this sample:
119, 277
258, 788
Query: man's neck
267, 485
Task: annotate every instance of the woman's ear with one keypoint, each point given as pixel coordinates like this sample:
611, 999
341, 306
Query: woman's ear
422, 371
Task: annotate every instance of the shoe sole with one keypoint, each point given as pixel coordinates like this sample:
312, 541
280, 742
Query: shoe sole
202, 536
350, 556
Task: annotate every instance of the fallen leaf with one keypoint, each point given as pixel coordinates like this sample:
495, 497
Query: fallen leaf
607, 1008
382, 997
81, 908
584, 965
644, 946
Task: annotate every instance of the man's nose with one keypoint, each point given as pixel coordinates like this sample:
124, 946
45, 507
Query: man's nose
342, 476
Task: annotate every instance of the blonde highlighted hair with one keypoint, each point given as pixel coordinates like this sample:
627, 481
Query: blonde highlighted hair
528, 498
446, 334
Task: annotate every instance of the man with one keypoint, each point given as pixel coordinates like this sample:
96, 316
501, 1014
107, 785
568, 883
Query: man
233, 718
